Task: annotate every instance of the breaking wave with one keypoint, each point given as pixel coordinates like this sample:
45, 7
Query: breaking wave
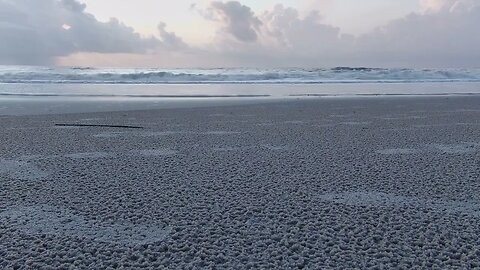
88, 75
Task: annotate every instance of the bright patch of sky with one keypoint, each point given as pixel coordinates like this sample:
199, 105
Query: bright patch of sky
359, 17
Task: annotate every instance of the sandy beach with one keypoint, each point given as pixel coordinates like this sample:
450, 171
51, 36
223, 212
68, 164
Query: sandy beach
313, 183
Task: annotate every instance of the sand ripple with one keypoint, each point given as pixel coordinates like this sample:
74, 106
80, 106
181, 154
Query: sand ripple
379, 199
48, 220
21, 170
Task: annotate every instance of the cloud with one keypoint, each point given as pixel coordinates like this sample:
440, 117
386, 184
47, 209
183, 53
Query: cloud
306, 35
35, 32
447, 37
278, 37
237, 20
444, 34
169, 39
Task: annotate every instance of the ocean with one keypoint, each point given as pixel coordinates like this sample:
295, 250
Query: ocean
234, 82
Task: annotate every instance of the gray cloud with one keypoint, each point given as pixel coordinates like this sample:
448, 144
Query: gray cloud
169, 39
445, 35
288, 30
450, 37
35, 32
238, 20
282, 38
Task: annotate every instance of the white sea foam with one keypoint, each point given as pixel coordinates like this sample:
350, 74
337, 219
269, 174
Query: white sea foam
231, 75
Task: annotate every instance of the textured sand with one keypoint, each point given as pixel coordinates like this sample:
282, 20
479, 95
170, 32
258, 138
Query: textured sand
381, 183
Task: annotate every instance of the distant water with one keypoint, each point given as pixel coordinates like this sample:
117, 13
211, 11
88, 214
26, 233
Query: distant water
59, 75
148, 82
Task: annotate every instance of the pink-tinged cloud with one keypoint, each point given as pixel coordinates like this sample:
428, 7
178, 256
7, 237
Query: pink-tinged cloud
446, 34
449, 37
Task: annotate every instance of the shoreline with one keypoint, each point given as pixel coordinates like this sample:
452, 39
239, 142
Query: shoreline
18, 106
22, 105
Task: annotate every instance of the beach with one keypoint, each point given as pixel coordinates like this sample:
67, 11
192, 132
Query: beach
380, 182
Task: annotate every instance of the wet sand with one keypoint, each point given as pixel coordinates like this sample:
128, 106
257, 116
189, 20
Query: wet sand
333, 183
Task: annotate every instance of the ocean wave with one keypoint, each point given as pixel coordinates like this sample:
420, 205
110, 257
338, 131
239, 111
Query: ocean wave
89, 75
200, 96
130, 95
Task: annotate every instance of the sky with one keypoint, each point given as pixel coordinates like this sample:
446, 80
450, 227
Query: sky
243, 33
352, 16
